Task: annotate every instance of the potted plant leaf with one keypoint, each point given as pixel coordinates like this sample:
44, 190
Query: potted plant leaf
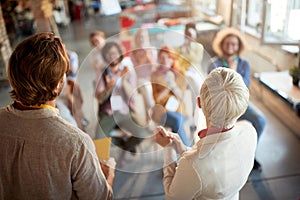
294, 71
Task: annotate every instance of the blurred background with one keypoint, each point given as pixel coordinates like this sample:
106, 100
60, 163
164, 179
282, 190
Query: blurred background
271, 29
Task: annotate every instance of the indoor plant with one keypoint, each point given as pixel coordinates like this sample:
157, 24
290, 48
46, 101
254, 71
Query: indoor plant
294, 71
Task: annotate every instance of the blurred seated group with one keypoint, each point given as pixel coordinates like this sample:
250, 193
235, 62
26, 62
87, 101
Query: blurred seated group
149, 86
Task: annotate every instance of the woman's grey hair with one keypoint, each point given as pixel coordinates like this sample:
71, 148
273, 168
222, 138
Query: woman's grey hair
224, 97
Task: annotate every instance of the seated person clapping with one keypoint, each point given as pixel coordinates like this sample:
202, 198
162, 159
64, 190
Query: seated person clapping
115, 94
168, 84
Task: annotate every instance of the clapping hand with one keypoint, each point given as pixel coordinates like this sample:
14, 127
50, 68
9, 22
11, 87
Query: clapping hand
162, 136
166, 138
124, 71
108, 168
110, 82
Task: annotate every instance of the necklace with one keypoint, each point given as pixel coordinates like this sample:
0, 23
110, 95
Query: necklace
226, 64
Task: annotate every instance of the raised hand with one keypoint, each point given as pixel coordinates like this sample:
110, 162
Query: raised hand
162, 136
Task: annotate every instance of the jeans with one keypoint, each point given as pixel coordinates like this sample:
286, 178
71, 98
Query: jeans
256, 117
175, 121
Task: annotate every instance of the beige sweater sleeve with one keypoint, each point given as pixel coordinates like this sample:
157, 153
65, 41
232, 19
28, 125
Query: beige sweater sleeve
181, 182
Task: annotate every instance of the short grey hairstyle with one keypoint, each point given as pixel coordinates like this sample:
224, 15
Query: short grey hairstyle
224, 97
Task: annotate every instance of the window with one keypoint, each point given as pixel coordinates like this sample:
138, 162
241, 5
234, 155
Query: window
254, 14
276, 18
207, 6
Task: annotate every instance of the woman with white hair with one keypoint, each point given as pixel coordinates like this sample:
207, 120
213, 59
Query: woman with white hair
229, 44
219, 164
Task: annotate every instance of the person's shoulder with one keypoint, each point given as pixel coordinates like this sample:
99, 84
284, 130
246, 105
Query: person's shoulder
192, 153
71, 133
243, 124
246, 128
73, 130
4, 109
4, 113
216, 61
243, 60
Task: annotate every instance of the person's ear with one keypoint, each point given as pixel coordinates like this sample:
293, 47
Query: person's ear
61, 84
198, 102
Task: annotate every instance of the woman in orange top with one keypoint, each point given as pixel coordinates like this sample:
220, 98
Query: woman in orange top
168, 85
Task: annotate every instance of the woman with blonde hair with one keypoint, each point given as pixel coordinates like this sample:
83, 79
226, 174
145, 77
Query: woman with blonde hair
219, 164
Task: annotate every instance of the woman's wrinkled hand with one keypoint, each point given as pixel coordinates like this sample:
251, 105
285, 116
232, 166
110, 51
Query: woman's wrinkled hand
162, 136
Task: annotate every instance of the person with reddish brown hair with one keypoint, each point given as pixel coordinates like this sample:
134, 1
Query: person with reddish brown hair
43, 156
168, 85
97, 39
